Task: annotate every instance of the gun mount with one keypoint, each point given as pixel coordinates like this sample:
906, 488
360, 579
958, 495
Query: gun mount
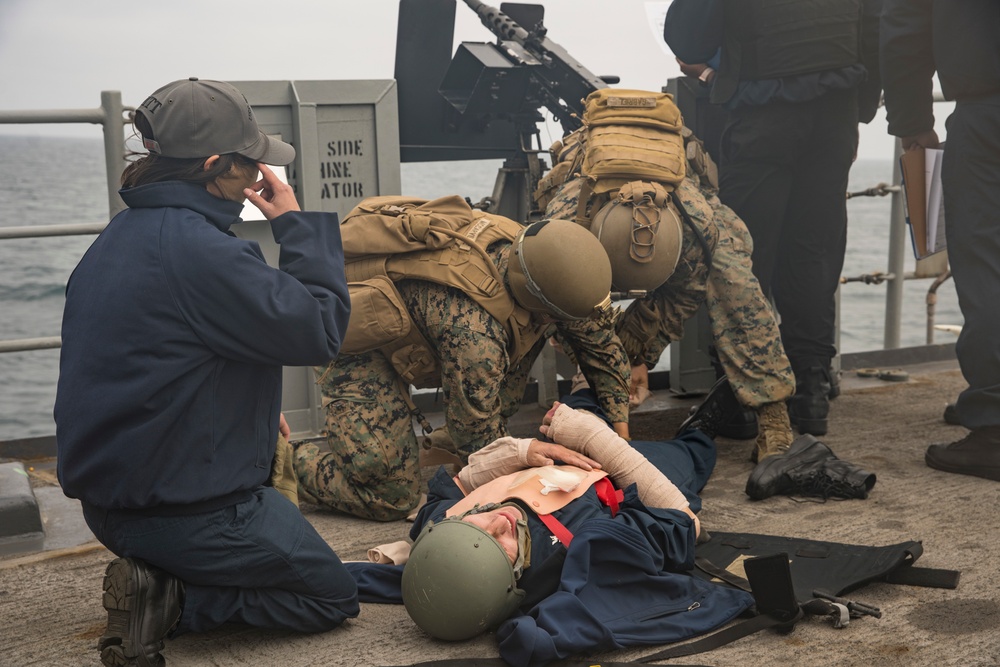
485, 101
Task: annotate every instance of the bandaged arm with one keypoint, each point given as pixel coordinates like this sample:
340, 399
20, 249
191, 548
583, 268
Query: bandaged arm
501, 457
590, 435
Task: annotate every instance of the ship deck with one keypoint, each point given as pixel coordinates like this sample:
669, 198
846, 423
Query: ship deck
50, 598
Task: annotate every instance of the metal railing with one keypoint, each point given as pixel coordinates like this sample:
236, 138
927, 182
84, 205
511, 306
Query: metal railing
112, 115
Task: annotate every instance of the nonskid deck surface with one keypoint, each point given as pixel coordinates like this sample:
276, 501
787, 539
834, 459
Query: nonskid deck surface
52, 615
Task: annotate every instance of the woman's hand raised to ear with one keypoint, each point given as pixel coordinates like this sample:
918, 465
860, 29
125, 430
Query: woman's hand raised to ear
270, 195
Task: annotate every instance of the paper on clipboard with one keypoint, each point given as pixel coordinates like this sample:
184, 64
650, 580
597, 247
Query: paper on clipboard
933, 159
912, 166
923, 199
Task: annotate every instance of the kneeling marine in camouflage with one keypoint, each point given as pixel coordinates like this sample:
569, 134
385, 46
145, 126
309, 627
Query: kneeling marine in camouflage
473, 328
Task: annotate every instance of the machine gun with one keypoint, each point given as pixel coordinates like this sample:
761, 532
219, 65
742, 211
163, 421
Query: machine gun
485, 101
557, 81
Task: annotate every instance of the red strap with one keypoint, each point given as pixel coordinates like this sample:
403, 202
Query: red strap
560, 531
608, 494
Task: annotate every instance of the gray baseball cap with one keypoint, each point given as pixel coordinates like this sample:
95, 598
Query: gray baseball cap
194, 118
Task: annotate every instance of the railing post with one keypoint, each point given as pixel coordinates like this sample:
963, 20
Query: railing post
114, 146
897, 257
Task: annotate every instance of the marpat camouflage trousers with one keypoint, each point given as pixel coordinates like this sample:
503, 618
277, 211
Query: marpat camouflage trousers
370, 465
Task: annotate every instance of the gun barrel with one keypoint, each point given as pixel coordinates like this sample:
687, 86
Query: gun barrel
498, 23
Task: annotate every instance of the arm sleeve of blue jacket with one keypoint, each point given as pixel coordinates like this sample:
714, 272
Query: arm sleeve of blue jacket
669, 534
245, 310
871, 89
377, 582
907, 60
693, 29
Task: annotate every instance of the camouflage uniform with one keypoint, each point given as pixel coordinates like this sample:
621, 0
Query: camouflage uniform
372, 469
743, 324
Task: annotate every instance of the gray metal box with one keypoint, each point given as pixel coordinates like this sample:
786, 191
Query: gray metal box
346, 138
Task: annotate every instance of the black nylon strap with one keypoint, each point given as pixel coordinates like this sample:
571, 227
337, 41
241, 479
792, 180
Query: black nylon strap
722, 637
690, 223
497, 662
708, 567
928, 577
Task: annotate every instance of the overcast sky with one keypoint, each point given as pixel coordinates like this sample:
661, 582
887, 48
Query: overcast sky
60, 54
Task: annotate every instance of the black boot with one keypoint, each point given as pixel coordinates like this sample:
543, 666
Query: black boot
743, 424
978, 454
809, 468
143, 605
718, 407
839, 479
834, 384
809, 407
777, 474
950, 415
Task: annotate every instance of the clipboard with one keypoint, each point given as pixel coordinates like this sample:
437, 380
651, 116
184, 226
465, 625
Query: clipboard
923, 202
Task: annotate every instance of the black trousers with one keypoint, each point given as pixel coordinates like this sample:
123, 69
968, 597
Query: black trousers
971, 178
784, 171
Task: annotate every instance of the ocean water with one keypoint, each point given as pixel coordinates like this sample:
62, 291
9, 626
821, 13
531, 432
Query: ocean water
46, 180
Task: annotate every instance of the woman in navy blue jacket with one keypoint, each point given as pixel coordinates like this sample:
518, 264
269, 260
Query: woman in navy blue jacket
168, 406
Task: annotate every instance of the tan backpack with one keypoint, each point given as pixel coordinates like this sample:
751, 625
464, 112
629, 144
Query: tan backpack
631, 135
442, 241
627, 136
631, 152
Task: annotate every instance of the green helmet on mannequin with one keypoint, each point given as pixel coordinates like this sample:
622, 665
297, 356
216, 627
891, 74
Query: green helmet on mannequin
459, 582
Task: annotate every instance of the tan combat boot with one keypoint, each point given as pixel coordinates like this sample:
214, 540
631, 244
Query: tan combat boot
775, 431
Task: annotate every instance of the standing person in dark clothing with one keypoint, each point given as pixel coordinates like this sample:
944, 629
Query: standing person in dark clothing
958, 40
796, 78
168, 404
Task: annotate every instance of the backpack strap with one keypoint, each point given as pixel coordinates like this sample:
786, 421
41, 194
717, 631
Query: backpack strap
586, 190
690, 223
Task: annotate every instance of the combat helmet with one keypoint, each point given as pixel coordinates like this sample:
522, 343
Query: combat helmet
556, 267
641, 232
459, 582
